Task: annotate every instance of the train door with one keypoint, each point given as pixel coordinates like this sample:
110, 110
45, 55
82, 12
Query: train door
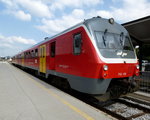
52, 55
43, 59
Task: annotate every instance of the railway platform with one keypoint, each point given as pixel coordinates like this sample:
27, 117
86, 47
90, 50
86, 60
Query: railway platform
24, 97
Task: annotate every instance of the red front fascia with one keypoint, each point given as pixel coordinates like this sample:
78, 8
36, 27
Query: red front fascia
120, 70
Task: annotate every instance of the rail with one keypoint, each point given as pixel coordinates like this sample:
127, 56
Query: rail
128, 109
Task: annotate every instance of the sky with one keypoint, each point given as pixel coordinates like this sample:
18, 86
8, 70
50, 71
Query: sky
24, 23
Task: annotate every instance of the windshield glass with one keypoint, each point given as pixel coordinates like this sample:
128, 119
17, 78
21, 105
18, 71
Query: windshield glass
113, 45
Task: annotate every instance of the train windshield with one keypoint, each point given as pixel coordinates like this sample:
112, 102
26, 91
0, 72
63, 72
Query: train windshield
112, 45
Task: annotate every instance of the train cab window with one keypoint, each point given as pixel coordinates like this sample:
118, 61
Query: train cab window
77, 43
53, 44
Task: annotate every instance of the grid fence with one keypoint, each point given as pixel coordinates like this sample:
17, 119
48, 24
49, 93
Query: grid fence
145, 78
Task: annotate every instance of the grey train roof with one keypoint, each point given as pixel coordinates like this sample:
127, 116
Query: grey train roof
86, 22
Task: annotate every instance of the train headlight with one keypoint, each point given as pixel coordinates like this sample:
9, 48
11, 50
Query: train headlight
137, 67
111, 21
105, 67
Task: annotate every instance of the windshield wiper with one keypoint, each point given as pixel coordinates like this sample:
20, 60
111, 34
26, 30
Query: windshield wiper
104, 37
121, 38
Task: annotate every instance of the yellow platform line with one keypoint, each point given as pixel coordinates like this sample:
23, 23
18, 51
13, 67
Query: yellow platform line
83, 114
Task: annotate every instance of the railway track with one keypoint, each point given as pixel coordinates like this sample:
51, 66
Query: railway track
140, 96
126, 109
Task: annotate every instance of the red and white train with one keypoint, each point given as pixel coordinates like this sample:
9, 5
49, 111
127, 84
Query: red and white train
95, 57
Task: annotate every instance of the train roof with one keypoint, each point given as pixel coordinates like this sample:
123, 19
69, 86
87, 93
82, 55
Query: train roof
85, 22
75, 26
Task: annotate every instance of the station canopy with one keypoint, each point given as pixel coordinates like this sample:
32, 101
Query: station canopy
139, 30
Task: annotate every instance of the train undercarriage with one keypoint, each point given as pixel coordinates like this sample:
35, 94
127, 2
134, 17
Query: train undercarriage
119, 87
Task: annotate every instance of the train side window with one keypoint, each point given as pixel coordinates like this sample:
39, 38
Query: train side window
53, 44
26, 55
29, 55
77, 43
32, 54
36, 52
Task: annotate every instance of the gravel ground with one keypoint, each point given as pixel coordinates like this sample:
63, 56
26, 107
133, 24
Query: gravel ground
123, 110
143, 117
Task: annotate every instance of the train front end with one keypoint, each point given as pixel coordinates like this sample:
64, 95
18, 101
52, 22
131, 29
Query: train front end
118, 61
